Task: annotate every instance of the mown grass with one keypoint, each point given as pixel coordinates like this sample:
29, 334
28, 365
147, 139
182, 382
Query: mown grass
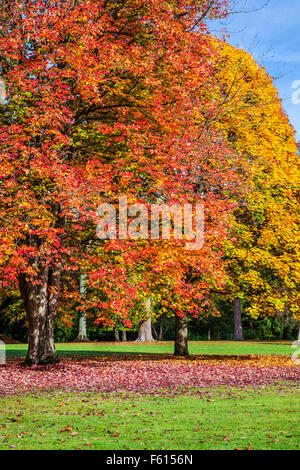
166, 347
231, 418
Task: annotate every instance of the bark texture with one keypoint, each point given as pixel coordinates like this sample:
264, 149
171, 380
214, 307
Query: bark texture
238, 330
181, 336
145, 327
82, 333
161, 332
124, 336
117, 336
41, 299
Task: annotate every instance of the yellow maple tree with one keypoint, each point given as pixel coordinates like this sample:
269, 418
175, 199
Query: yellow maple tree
263, 257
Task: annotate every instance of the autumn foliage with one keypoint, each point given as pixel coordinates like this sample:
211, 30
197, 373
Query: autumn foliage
101, 98
157, 377
263, 255
112, 97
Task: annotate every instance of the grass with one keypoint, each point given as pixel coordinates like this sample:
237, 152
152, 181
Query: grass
260, 418
219, 418
166, 347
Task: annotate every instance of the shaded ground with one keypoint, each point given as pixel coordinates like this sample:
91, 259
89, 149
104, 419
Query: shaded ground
147, 376
165, 347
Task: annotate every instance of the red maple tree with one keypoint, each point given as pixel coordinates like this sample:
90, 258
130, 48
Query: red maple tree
103, 98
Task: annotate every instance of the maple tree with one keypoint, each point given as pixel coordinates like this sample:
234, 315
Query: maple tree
132, 97
101, 98
262, 253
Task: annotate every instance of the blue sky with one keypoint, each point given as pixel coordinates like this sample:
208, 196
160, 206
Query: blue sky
272, 35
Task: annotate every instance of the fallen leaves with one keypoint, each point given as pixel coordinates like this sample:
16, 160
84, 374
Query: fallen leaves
67, 428
148, 376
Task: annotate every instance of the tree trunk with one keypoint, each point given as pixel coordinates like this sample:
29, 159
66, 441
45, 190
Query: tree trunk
145, 332
41, 298
124, 336
238, 330
145, 327
181, 336
208, 333
161, 331
2, 353
82, 334
117, 336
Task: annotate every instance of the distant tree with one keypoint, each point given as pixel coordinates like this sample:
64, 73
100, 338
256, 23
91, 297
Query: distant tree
263, 252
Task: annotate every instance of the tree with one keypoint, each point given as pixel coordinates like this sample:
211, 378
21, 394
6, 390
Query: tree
238, 330
117, 336
181, 336
145, 327
100, 97
263, 253
82, 333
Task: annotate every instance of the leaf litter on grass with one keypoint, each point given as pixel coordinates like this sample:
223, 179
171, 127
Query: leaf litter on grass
147, 376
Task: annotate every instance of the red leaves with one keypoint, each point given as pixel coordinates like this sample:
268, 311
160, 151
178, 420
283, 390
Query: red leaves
147, 376
99, 105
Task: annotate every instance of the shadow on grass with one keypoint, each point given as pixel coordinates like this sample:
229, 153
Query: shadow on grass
100, 357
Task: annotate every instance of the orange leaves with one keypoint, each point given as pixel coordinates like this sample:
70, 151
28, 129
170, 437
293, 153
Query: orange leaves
108, 99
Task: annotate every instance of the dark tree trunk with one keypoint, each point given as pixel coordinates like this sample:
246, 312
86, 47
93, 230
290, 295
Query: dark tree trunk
161, 331
124, 336
238, 330
145, 328
41, 299
181, 336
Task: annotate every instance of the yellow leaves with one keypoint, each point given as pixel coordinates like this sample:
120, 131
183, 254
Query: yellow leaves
253, 278
251, 104
263, 256
25, 206
163, 310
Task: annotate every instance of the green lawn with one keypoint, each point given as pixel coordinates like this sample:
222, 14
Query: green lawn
264, 418
195, 347
219, 418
